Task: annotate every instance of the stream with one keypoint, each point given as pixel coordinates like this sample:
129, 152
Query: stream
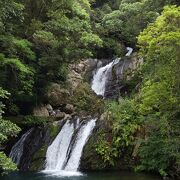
110, 175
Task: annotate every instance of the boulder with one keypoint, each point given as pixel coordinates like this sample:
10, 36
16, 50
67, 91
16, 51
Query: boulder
74, 79
67, 117
57, 95
60, 115
40, 111
69, 109
80, 68
49, 107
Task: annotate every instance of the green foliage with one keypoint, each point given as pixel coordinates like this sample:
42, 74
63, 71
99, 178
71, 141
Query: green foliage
85, 100
157, 150
159, 96
106, 151
126, 121
7, 129
35, 120
10, 11
38, 39
6, 163
22, 79
66, 36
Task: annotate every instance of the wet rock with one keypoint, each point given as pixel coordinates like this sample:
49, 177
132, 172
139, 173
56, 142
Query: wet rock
67, 117
31, 145
80, 67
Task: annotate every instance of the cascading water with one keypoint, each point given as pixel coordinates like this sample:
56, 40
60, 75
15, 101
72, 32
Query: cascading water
82, 138
64, 154
101, 75
56, 153
17, 150
130, 50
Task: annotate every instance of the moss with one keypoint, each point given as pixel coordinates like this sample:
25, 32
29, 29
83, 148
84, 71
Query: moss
86, 100
90, 159
40, 156
35, 120
54, 130
39, 159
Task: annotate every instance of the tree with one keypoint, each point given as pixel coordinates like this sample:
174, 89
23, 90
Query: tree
65, 37
7, 129
160, 94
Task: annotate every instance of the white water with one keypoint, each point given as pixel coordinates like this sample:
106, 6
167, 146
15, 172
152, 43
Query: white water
130, 50
58, 160
17, 150
56, 153
100, 77
82, 138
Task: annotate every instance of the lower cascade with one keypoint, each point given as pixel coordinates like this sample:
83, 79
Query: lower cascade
64, 154
17, 150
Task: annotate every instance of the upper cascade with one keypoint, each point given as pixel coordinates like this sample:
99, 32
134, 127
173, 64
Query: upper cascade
101, 75
130, 50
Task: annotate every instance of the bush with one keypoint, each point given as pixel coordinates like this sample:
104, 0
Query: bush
35, 120
6, 163
125, 120
86, 100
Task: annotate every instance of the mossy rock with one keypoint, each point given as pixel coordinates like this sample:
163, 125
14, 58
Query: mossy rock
38, 160
84, 99
90, 159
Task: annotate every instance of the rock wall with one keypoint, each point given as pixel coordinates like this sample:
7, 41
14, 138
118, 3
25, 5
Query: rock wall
121, 72
31, 145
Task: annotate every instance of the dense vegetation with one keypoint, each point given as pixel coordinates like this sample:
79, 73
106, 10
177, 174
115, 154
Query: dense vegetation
39, 39
154, 110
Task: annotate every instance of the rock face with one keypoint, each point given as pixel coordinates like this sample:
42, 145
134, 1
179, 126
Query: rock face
57, 95
37, 160
119, 73
60, 114
35, 146
31, 145
90, 159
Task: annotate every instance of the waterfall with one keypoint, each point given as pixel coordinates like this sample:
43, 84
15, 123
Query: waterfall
130, 50
64, 154
17, 150
82, 138
100, 77
56, 153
